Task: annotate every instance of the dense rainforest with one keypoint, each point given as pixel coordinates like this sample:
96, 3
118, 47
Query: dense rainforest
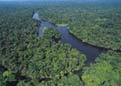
95, 23
29, 60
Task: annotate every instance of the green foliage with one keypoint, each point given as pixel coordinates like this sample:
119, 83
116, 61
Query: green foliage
105, 72
21, 51
2, 80
50, 33
5, 77
113, 58
23, 83
69, 80
35, 57
7, 73
62, 25
97, 74
54, 60
95, 23
99, 25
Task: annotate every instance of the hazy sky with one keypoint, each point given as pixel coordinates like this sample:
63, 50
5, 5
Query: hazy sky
14, 0
49, 0
18, 0
59, 0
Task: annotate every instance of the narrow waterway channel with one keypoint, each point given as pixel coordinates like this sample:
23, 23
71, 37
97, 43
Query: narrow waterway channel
90, 51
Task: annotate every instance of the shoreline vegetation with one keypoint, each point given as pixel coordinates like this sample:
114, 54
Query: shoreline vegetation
62, 25
101, 47
28, 60
95, 23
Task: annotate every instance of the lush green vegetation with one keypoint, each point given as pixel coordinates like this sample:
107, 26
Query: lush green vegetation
105, 72
62, 25
70, 80
37, 58
100, 25
46, 61
95, 23
5, 77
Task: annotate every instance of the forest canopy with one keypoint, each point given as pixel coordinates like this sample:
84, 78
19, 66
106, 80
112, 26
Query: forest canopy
29, 60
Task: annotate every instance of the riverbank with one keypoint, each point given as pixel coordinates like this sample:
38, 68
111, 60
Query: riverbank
101, 47
91, 52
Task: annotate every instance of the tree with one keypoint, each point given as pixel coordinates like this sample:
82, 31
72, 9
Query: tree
105, 72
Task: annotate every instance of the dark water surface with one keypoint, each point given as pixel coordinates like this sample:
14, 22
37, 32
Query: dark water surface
89, 50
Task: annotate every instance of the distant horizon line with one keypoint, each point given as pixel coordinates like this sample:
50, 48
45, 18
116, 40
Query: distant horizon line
61, 0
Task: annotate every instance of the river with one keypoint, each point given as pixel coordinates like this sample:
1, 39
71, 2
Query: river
91, 52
